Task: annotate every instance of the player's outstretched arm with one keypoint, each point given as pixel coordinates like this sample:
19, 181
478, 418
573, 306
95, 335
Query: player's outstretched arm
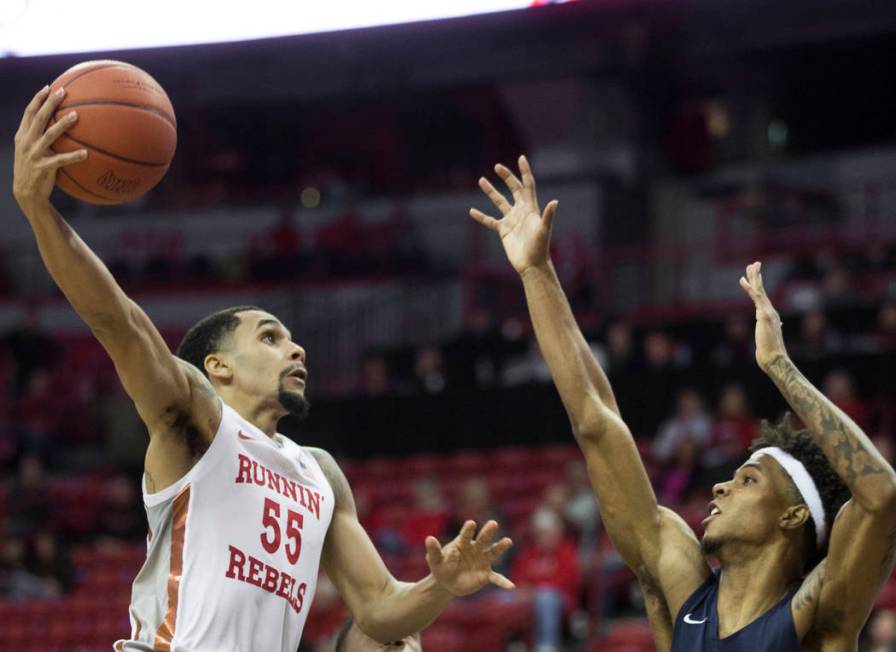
863, 536
161, 387
654, 542
384, 608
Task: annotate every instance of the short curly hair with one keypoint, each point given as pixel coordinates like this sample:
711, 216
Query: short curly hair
833, 491
208, 335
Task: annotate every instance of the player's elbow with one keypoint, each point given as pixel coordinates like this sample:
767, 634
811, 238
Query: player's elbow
593, 423
883, 499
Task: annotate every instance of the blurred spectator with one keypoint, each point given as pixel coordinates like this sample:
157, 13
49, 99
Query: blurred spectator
50, 563
581, 507
375, 380
622, 368
660, 380
340, 248
429, 370
277, 252
31, 346
16, 581
124, 433
730, 435
690, 424
33, 417
737, 349
474, 358
29, 503
677, 444
326, 613
816, 339
119, 518
836, 288
547, 565
839, 387
882, 631
528, 367
428, 516
886, 326
474, 502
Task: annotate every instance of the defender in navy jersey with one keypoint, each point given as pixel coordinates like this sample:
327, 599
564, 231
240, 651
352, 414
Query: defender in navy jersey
804, 531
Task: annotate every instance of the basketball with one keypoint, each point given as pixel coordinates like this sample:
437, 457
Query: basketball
125, 122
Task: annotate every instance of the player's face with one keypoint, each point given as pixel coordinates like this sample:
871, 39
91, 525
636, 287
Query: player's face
747, 508
266, 360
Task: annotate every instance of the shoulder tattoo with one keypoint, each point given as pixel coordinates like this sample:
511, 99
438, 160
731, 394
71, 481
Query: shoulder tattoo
342, 492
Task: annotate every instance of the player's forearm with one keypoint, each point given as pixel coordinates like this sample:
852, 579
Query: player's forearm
579, 379
853, 456
404, 609
80, 274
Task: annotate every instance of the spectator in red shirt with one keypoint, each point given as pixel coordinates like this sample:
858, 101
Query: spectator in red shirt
730, 434
428, 516
548, 566
839, 387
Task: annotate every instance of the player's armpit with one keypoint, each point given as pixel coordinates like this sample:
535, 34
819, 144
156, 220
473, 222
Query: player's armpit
654, 541
860, 559
169, 394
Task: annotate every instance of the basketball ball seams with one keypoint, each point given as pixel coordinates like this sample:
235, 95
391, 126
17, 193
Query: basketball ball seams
113, 64
83, 188
162, 114
148, 164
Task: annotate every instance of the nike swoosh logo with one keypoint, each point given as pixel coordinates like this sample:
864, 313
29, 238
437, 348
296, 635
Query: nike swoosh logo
689, 621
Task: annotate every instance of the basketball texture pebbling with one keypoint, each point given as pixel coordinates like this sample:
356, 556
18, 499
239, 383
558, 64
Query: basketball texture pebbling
125, 122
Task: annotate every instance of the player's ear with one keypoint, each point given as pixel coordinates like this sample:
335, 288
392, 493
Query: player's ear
218, 368
794, 517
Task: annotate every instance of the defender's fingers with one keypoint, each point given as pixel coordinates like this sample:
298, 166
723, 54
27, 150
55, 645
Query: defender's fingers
466, 532
499, 580
510, 179
56, 130
528, 179
63, 160
497, 549
497, 198
42, 117
433, 550
549, 211
486, 534
745, 284
32, 108
487, 221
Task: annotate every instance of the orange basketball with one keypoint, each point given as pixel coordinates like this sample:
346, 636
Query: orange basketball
125, 122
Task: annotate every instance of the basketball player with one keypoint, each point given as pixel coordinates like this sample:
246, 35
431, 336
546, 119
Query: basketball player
351, 639
239, 516
804, 531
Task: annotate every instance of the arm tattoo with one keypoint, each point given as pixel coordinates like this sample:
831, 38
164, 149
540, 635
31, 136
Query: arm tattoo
849, 451
807, 596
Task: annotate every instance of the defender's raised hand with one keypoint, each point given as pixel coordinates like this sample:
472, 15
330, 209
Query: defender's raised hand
465, 564
769, 336
34, 171
524, 229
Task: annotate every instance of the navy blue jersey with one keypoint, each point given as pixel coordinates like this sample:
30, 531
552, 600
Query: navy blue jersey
697, 626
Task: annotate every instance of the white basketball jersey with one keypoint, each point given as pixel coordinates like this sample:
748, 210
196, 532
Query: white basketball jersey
233, 548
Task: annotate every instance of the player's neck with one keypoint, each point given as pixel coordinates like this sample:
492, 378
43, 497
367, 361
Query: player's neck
261, 414
753, 580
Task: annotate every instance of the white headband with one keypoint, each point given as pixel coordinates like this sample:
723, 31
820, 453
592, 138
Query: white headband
804, 484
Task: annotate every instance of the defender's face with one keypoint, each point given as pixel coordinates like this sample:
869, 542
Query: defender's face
746, 508
266, 360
